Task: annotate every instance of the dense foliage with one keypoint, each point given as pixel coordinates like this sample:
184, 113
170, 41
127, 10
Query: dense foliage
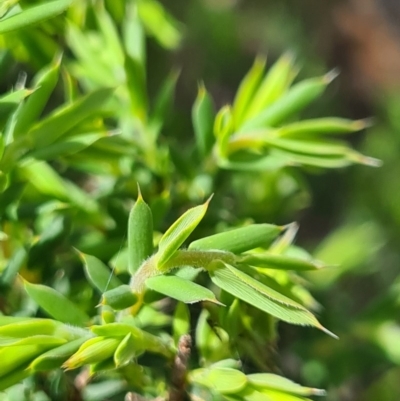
142, 258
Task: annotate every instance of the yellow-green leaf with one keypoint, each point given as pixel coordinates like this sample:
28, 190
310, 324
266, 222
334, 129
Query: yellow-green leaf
56, 304
178, 232
180, 289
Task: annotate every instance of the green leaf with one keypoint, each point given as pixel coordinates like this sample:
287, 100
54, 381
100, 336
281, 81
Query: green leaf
203, 115
273, 86
297, 98
142, 339
54, 358
47, 181
223, 129
99, 275
15, 327
126, 351
159, 23
163, 102
263, 289
322, 126
314, 148
14, 377
241, 239
275, 382
278, 395
15, 263
181, 289
13, 358
34, 15
69, 116
136, 83
31, 340
140, 234
8, 103
44, 84
181, 321
221, 380
132, 28
56, 304
92, 351
224, 278
68, 146
119, 298
247, 89
178, 232
280, 262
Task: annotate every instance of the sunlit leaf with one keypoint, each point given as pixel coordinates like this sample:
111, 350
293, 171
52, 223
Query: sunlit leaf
140, 234
178, 232
34, 15
221, 380
275, 382
224, 278
180, 289
56, 304
98, 273
203, 115
241, 239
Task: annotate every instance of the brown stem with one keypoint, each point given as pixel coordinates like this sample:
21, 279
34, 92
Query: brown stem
178, 380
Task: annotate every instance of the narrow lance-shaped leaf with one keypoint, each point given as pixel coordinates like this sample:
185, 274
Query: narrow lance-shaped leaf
34, 15
221, 380
68, 146
132, 28
32, 340
67, 117
263, 289
15, 263
274, 85
136, 83
275, 382
56, 304
13, 378
8, 103
223, 129
163, 102
322, 126
147, 341
241, 239
19, 357
180, 289
94, 350
159, 23
203, 115
178, 232
228, 281
29, 327
140, 234
54, 358
297, 97
47, 181
247, 89
31, 109
323, 148
98, 273
110, 35
280, 262
126, 351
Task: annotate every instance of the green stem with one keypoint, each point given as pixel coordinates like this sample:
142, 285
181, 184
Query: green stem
198, 259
